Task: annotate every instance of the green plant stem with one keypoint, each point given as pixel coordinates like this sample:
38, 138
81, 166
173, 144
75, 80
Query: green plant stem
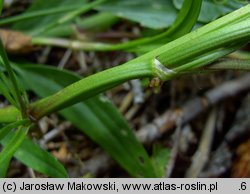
72, 44
84, 89
225, 21
205, 59
9, 114
179, 52
90, 46
233, 64
220, 38
240, 16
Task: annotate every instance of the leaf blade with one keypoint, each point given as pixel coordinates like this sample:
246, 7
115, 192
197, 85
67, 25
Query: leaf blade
10, 148
157, 14
30, 154
89, 117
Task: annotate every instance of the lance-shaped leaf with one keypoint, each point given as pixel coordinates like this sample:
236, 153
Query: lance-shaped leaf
30, 154
10, 148
96, 117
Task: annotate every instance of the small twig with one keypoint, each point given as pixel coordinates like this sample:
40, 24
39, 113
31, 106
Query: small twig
81, 59
201, 156
137, 91
175, 150
44, 55
65, 59
31, 173
193, 108
219, 163
54, 132
98, 164
132, 111
126, 102
221, 159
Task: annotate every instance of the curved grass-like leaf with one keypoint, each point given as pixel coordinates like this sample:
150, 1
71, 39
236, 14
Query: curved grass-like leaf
185, 21
10, 148
160, 159
211, 10
10, 87
3, 132
183, 24
6, 129
96, 117
36, 158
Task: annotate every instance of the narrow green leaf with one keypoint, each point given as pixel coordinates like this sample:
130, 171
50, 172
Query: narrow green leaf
6, 129
43, 24
96, 117
1, 6
206, 59
211, 10
94, 23
5, 91
15, 88
38, 159
70, 16
233, 64
38, 13
219, 38
186, 19
3, 168
32, 24
41, 14
160, 159
11, 147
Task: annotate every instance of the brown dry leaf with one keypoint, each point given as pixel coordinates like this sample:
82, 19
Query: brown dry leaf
16, 42
62, 154
241, 167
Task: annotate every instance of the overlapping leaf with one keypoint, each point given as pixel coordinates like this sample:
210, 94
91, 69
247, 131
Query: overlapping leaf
155, 14
211, 10
10, 148
36, 158
36, 23
96, 117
